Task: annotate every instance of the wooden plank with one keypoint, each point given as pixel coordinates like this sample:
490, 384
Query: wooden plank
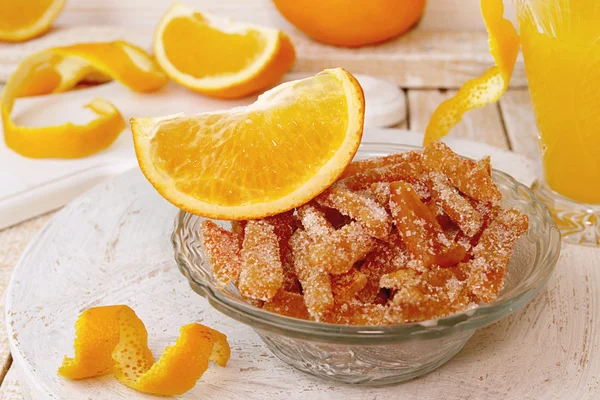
453, 15
519, 120
404, 123
12, 388
481, 125
420, 59
12, 243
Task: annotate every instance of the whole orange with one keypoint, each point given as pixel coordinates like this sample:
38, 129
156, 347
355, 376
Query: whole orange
352, 23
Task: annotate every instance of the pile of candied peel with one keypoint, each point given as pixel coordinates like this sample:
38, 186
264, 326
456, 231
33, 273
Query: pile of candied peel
402, 238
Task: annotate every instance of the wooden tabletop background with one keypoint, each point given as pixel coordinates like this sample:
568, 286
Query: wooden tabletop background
429, 64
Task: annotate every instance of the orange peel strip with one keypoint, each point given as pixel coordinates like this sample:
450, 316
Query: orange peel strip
113, 338
60, 69
489, 87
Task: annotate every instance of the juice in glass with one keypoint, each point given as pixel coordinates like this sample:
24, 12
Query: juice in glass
561, 49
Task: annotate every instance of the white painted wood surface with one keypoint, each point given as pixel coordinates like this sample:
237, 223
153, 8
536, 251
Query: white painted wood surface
447, 48
11, 387
566, 292
111, 246
440, 15
12, 243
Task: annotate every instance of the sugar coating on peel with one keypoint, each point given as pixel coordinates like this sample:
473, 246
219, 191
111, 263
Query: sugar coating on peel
492, 253
380, 192
485, 164
290, 279
357, 167
420, 230
458, 208
366, 211
381, 260
237, 227
357, 313
284, 226
261, 275
223, 250
397, 239
345, 286
314, 221
288, 304
338, 251
410, 169
433, 294
471, 178
316, 283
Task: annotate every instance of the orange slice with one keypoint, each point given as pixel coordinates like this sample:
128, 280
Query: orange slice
24, 19
488, 88
114, 339
263, 159
217, 57
60, 69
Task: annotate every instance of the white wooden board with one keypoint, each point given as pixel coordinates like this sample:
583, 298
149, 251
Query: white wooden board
112, 246
418, 59
452, 15
33, 186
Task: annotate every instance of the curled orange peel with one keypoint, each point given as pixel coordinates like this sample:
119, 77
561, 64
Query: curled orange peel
489, 87
114, 339
60, 69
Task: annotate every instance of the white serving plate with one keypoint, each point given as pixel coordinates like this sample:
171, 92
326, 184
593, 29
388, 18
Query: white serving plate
111, 246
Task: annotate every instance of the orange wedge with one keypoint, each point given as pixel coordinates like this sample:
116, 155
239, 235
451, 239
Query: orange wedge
263, 159
24, 19
489, 87
60, 69
217, 57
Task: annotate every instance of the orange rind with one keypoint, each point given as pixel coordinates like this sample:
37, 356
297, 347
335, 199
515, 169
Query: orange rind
489, 87
114, 339
261, 274
61, 69
385, 251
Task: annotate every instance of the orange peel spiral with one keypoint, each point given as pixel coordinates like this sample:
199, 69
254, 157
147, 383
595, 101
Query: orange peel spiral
489, 87
60, 69
113, 339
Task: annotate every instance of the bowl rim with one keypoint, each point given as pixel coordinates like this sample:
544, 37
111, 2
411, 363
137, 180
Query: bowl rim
472, 319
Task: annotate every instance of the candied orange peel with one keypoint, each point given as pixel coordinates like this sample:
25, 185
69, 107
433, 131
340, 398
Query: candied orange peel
489, 87
113, 339
61, 69
402, 238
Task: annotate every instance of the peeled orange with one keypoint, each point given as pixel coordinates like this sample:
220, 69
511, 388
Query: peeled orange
24, 19
217, 57
352, 23
263, 159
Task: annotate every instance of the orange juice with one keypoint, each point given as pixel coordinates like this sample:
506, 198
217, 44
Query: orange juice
561, 49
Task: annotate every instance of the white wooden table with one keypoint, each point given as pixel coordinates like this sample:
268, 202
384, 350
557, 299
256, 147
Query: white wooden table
429, 64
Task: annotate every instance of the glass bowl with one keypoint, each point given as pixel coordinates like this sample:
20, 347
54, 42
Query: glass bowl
379, 355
